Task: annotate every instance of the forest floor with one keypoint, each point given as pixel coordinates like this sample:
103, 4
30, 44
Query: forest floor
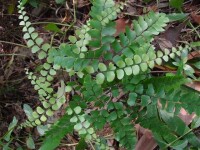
16, 89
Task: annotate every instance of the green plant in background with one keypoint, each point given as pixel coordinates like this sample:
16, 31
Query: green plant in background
111, 82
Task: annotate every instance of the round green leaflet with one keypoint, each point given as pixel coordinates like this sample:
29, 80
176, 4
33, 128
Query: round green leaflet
102, 67
46, 47
35, 115
30, 43
100, 78
137, 59
39, 41
86, 124
110, 76
128, 71
158, 61
81, 118
129, 61
26, 36
90, 130
77, 110
143, 67
72, 39
121, 64
74, 119
132, 99
136, 69
49, 112
34, 36
52, 72
159, 54
42, 55
31, 30
82, 131
43, 73
78, 126
120, 74
40, 110
35, 49
46, 104
43, 118
69, 111
47, 66
38, 122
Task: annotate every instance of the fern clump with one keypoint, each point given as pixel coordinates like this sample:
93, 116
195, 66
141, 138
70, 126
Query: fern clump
101, 67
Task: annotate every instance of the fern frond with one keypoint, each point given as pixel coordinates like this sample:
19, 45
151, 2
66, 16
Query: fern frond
57, 133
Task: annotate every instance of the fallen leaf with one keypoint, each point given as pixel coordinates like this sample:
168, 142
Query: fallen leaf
146, 140
170, 37
186, 117
195, 17
121, 25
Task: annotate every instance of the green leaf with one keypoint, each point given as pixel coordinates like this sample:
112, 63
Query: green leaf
42, 55
110, 75
137, 59
128, 71
81, 145
72, 39
136, 69
145, 100
176, 3
35, 49
132, 99
57, 132
176, 16
52, 27
121, 64
158, 61
74, 119
40, 110
34, 36
26, 36
144, 67
120, 74
39, 41
49, 112
10, 129
31, 30
30, 143
43, 118
46, 47
129, 61
102, 67
197, 65
30, 43
52, 72
100, 78
68, 88
28, 110
86, 124
77, 110
60, 1
112, 116
78, 126
89, 69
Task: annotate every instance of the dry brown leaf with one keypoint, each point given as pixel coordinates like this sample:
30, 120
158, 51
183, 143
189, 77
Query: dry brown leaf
195, 17
170, 37
186, 117
146, 140
195, 85
121, 25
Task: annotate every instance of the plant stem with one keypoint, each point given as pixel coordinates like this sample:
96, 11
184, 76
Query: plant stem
12, 55
12, 43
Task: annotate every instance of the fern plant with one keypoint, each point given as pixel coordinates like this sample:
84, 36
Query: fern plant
102, 67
